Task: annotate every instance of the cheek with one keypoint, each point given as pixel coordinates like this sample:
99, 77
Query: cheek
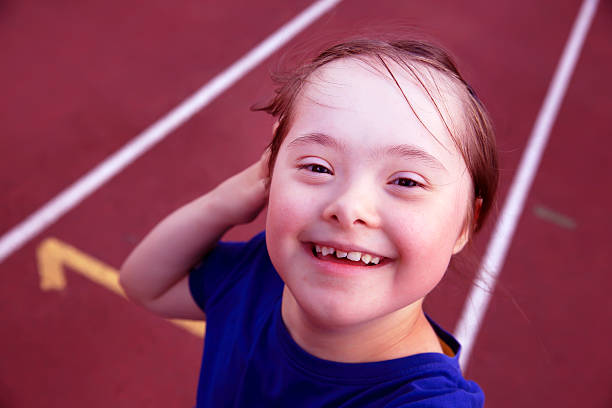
278, 226
423, 229
426, 249
285, 208
424, 259
426, 238
288, 213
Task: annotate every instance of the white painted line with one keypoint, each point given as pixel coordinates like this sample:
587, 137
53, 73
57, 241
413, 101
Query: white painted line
478, 299
95, 178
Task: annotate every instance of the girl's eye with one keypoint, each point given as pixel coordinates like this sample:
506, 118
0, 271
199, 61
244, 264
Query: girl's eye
316, 168
405, 182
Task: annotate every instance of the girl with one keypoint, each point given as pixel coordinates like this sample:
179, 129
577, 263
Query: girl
382, 166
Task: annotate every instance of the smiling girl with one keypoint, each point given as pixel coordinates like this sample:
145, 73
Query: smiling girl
382, 166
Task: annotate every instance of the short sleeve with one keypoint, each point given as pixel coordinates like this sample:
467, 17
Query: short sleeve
459, 400
424, 395
219, 266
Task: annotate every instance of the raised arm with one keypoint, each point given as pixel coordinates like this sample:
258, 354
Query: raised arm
155, 274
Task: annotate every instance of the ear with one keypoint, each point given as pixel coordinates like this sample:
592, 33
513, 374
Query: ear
462, 240
468, 228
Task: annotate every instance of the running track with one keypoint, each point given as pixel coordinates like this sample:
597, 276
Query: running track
82, 79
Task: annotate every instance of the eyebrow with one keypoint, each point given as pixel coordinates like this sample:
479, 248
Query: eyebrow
413, 152
402, 150
316, 138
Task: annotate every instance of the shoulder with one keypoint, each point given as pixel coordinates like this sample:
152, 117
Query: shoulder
231, 266
234, 253
440, 386
438, 380
455, 399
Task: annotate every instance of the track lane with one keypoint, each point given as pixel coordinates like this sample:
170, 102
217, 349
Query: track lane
84, 79
558, 275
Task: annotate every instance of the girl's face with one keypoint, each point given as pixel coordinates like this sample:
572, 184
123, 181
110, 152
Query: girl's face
358, 175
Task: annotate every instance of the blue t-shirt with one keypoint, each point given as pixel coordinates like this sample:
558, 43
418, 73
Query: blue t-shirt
250, 359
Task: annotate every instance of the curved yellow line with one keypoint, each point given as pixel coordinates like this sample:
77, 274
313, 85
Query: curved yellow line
53, 256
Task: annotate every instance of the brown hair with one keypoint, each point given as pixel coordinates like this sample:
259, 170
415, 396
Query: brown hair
477, 144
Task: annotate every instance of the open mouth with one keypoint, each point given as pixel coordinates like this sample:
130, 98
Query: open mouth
354, 258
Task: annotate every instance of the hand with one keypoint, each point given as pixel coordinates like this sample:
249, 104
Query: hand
242, 196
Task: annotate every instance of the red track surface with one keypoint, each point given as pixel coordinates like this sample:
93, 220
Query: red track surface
82, 79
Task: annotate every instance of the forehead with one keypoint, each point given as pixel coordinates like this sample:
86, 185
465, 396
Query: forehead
360, 101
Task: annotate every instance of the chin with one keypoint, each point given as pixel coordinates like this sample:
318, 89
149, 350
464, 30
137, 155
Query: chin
337, 310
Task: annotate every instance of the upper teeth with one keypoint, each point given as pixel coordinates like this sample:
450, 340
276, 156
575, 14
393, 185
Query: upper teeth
353, 255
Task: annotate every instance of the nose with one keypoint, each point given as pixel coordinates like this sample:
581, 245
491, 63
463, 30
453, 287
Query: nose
354, 205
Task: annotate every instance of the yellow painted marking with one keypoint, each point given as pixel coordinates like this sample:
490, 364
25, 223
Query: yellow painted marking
54, 255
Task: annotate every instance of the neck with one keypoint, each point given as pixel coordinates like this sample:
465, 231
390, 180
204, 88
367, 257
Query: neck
398, 334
